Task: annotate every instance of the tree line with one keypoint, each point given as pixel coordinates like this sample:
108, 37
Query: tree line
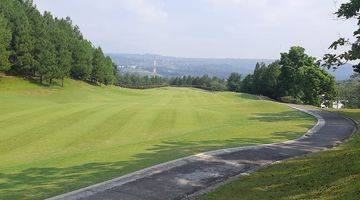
140, 82
144, 82
296, 78
40, 46
204, 82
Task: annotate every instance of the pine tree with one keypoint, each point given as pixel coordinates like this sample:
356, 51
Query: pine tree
5, 35
99, 66
23, 42
82, 54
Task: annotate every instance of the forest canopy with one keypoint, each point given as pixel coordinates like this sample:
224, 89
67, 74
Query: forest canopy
46, 48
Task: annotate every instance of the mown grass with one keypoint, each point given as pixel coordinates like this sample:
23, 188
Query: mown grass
54, 140
334, 174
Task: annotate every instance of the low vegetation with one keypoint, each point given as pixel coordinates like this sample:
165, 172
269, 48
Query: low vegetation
334, 174
54, 140
140, 82
204, 82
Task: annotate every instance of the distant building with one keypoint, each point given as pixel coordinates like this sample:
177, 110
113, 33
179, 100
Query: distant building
335, 104
338, 104
154, 69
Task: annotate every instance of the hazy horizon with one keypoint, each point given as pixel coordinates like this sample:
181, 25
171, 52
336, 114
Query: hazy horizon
206, 28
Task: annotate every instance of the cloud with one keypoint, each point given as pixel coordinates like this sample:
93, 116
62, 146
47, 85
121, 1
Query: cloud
143, 10
205, 28
147, 10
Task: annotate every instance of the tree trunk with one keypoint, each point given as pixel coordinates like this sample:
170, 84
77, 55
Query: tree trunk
50, 81
62, 82
41, 79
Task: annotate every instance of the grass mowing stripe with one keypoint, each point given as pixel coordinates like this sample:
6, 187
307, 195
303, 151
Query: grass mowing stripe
54, 140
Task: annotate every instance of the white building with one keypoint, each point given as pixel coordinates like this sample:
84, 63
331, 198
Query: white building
338, 105
335, 105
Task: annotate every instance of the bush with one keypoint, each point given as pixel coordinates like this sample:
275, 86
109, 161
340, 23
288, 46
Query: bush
290, 99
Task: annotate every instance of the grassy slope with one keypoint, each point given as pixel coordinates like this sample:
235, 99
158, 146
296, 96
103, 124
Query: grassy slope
334, 174
54, 140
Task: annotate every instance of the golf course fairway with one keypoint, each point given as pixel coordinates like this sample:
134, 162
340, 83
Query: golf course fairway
54, 140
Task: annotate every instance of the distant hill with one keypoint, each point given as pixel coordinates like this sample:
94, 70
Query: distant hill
167, 66
342, 73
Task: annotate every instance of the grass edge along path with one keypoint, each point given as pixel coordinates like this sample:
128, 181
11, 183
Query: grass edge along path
333, 174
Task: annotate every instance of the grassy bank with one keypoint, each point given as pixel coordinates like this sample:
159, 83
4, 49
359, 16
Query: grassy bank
54, 140
334, 174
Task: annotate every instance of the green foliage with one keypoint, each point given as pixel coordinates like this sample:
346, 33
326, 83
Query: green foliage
140, 82
302, 78
247, 84
295, 78
23, 42
48, 48
349, 92
317, 86
258, 76
98, 63
234, 82
264, 81
111, 71
349, 10
289, 79
5, 35
204, 82
289, 99
82, 60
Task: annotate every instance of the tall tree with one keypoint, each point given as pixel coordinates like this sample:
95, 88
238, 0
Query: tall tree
111, 72
82, 54
99, 66
23, 41
63, 55
234, 82
47, 48
5, 35
317, 86
289, 77
247, 84
271, 80
258, 78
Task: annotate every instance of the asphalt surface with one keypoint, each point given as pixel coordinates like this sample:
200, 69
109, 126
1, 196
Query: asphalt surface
187, 177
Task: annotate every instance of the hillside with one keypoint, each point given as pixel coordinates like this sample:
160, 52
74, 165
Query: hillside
175, 66
54, 140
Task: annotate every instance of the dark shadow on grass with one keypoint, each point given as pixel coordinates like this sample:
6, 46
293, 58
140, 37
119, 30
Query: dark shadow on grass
281, 117
286, 135
248, 96
40, 183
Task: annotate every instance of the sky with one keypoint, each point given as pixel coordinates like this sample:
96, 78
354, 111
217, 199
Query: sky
205, 28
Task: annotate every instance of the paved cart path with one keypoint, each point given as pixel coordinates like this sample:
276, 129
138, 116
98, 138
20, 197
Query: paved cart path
192, 175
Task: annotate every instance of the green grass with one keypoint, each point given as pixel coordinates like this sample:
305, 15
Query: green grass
334, 174
54, 140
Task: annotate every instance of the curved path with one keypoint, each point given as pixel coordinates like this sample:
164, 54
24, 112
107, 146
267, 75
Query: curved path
190, 176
